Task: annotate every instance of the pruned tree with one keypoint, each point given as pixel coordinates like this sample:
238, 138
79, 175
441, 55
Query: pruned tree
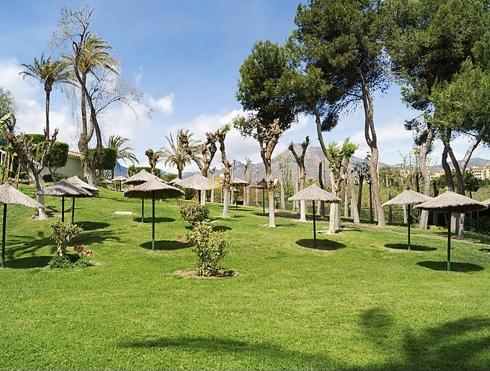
248, 177
343, 40
30, 154
202, 153
153, 158
263, 89
338, 163
300, 161
221, 137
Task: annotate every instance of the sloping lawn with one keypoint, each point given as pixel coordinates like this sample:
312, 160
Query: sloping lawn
352, 304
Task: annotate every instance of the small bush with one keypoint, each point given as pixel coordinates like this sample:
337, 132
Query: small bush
60, 262
193, 212
64, 233
210, 247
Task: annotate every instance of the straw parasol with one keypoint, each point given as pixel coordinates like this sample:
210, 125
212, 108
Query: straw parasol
314, 193
175, 181
141, 177
451, 202
200, 183
10, 195
76, 181
66, 189
238, 182
261, 184
486, 202
106, 182
154, 189
120, 179
408, 198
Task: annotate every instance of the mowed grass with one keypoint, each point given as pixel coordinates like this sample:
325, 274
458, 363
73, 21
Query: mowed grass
352, 304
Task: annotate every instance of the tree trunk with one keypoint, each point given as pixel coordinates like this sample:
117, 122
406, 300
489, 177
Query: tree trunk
359, 194
283, 195
41, 213
226, 198
270, 191
371, 140
48, 101
203, 197
211, 199
321, 204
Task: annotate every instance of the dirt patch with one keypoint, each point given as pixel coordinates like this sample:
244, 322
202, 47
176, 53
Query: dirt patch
191, 273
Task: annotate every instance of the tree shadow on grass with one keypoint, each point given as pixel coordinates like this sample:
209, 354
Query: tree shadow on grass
404, 246
456, 267
221, 228
28, 262
485, 250
320, 244
92, 226
448, 346
159, 219
166, 245
214, 347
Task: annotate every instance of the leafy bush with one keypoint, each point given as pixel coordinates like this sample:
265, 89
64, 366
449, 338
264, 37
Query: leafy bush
107, 160
57, 157
189, 194
60, 262
193, 212
64, 233
210, 247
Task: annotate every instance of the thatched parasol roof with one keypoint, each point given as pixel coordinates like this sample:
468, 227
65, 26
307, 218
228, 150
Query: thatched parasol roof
198, 182
175, 181
140, 178
486, 202
451, 202
10, 195
408, 197
106, 181
238, 182
65, 188
76, 181
152, 188
261, 184
314, 193
119, 178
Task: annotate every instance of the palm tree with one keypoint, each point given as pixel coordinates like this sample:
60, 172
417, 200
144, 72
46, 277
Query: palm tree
49, 73
116, 143
176, 154
153, 158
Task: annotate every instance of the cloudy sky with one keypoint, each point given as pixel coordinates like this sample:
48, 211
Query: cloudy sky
184, 56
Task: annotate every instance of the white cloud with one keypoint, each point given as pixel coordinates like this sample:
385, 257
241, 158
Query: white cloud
164, 104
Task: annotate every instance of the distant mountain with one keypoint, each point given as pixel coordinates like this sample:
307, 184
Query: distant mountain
120, 170
474, 162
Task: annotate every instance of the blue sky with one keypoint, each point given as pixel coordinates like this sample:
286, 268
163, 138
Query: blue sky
184, 56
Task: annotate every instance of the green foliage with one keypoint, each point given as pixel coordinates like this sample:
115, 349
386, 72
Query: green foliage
117, 143
209, 246
57, 157
61, 262
168, 177
261, 89
7, 104
136, 169
63, 233
193, 212
107, 160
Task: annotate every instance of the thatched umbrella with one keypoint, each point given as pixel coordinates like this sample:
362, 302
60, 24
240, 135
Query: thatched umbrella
154, 189
10, 195
314, 193
451, 202
175, 181
486, 202
141, 177
66, 189
76, 181
106, 182
120, 179
408, 198
261, 184
237, 182
200, 183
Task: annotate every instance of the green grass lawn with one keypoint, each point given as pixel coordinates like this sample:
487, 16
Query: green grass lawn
357, 305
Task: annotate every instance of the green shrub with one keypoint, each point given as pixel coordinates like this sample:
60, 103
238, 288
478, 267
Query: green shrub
193, 212
57, 157
107, 160
64, 233
60, 262
209, 246
189, 194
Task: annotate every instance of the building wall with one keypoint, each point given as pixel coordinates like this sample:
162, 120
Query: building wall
73, 167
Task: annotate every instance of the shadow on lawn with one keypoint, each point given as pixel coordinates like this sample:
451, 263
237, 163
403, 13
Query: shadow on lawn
159, 219
167, 245
28, 262
404, 246
320, 244
91, 226
456, 267
448, 346
453, 345
279, 357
